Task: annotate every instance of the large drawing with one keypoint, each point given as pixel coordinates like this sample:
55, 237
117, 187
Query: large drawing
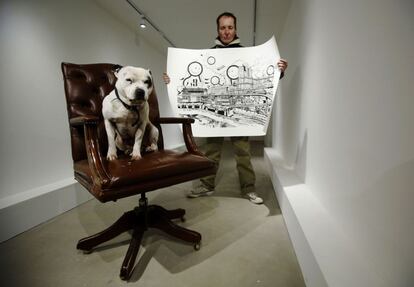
229, 92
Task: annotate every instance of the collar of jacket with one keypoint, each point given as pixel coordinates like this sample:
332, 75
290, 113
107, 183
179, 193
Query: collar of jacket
234, 43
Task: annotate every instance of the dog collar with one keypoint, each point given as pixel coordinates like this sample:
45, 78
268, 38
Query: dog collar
128, 107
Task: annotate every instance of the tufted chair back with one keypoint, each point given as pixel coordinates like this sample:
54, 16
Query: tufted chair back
85, 88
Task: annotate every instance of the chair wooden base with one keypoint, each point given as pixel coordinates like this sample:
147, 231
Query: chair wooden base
139, 220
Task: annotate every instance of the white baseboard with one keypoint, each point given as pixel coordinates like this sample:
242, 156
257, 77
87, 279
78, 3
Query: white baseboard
327, 255
285, 184
25, 210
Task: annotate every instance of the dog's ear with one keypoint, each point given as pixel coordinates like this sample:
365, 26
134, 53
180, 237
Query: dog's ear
149, 80
116, 69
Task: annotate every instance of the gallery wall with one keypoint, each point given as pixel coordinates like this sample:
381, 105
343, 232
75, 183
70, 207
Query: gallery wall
36, 176
35, 38
344, 126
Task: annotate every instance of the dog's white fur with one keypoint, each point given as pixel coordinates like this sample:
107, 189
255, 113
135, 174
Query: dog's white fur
125, 127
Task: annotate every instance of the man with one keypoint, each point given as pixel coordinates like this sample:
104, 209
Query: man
227, 38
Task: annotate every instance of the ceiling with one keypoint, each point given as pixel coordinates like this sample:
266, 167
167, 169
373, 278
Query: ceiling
191, 23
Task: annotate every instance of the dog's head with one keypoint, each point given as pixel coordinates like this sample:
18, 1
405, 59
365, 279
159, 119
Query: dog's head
134, 84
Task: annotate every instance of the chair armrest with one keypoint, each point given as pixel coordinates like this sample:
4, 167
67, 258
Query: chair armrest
175, 120
77, 121
187, 132
95, 159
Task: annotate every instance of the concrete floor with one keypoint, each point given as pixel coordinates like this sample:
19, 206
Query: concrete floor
243, 244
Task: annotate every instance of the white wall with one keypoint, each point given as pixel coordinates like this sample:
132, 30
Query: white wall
35, 37
345, 125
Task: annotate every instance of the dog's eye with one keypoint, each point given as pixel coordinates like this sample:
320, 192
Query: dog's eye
148, 82
129, 80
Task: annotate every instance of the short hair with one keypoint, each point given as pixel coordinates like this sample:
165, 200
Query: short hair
226, 14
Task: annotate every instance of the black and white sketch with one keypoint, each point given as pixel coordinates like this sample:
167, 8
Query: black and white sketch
229, 92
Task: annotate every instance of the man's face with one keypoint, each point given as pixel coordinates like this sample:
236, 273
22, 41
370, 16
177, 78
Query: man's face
226, 30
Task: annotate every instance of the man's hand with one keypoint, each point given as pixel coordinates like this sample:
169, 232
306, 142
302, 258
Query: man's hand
282, 64
166, 78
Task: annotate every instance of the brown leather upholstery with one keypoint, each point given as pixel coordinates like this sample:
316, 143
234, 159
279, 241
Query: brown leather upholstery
85, 88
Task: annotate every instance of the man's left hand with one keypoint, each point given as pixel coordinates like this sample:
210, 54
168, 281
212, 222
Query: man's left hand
282, 64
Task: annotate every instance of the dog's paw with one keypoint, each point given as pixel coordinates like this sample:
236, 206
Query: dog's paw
151, 148
135, 156
111, 156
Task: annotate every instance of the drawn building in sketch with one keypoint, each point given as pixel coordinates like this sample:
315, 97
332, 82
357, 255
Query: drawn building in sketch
244, 98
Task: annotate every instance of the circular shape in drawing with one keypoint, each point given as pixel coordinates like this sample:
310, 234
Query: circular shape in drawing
195, 69
215, 80
270, 70
211, 60
233, 72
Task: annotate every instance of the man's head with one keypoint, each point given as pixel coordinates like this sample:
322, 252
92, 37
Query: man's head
226, 27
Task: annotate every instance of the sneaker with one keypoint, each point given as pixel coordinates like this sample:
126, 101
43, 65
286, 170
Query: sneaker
200, 191
253, 197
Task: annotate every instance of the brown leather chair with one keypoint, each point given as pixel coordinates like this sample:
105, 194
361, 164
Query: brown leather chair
85, 88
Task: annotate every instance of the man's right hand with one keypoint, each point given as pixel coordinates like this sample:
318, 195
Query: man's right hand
166, 78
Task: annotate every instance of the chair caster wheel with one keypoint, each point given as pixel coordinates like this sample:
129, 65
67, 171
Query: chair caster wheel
197, 246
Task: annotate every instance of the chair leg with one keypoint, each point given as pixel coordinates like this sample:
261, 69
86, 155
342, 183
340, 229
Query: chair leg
139, 220
176, 213
179, 232
161, 219
124, 223
131, 254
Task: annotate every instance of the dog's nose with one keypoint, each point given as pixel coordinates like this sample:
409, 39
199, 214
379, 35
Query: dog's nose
139, 94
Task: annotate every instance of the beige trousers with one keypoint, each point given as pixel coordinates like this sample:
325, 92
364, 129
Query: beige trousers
241, 147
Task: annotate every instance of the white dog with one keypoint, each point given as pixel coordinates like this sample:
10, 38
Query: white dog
126, 113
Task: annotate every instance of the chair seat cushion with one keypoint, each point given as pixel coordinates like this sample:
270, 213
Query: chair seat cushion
152, 166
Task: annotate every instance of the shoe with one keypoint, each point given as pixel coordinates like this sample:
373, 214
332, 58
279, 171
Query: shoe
253, 197
200, 191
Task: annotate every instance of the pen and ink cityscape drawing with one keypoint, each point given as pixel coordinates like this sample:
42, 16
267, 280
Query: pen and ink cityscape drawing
229, 92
